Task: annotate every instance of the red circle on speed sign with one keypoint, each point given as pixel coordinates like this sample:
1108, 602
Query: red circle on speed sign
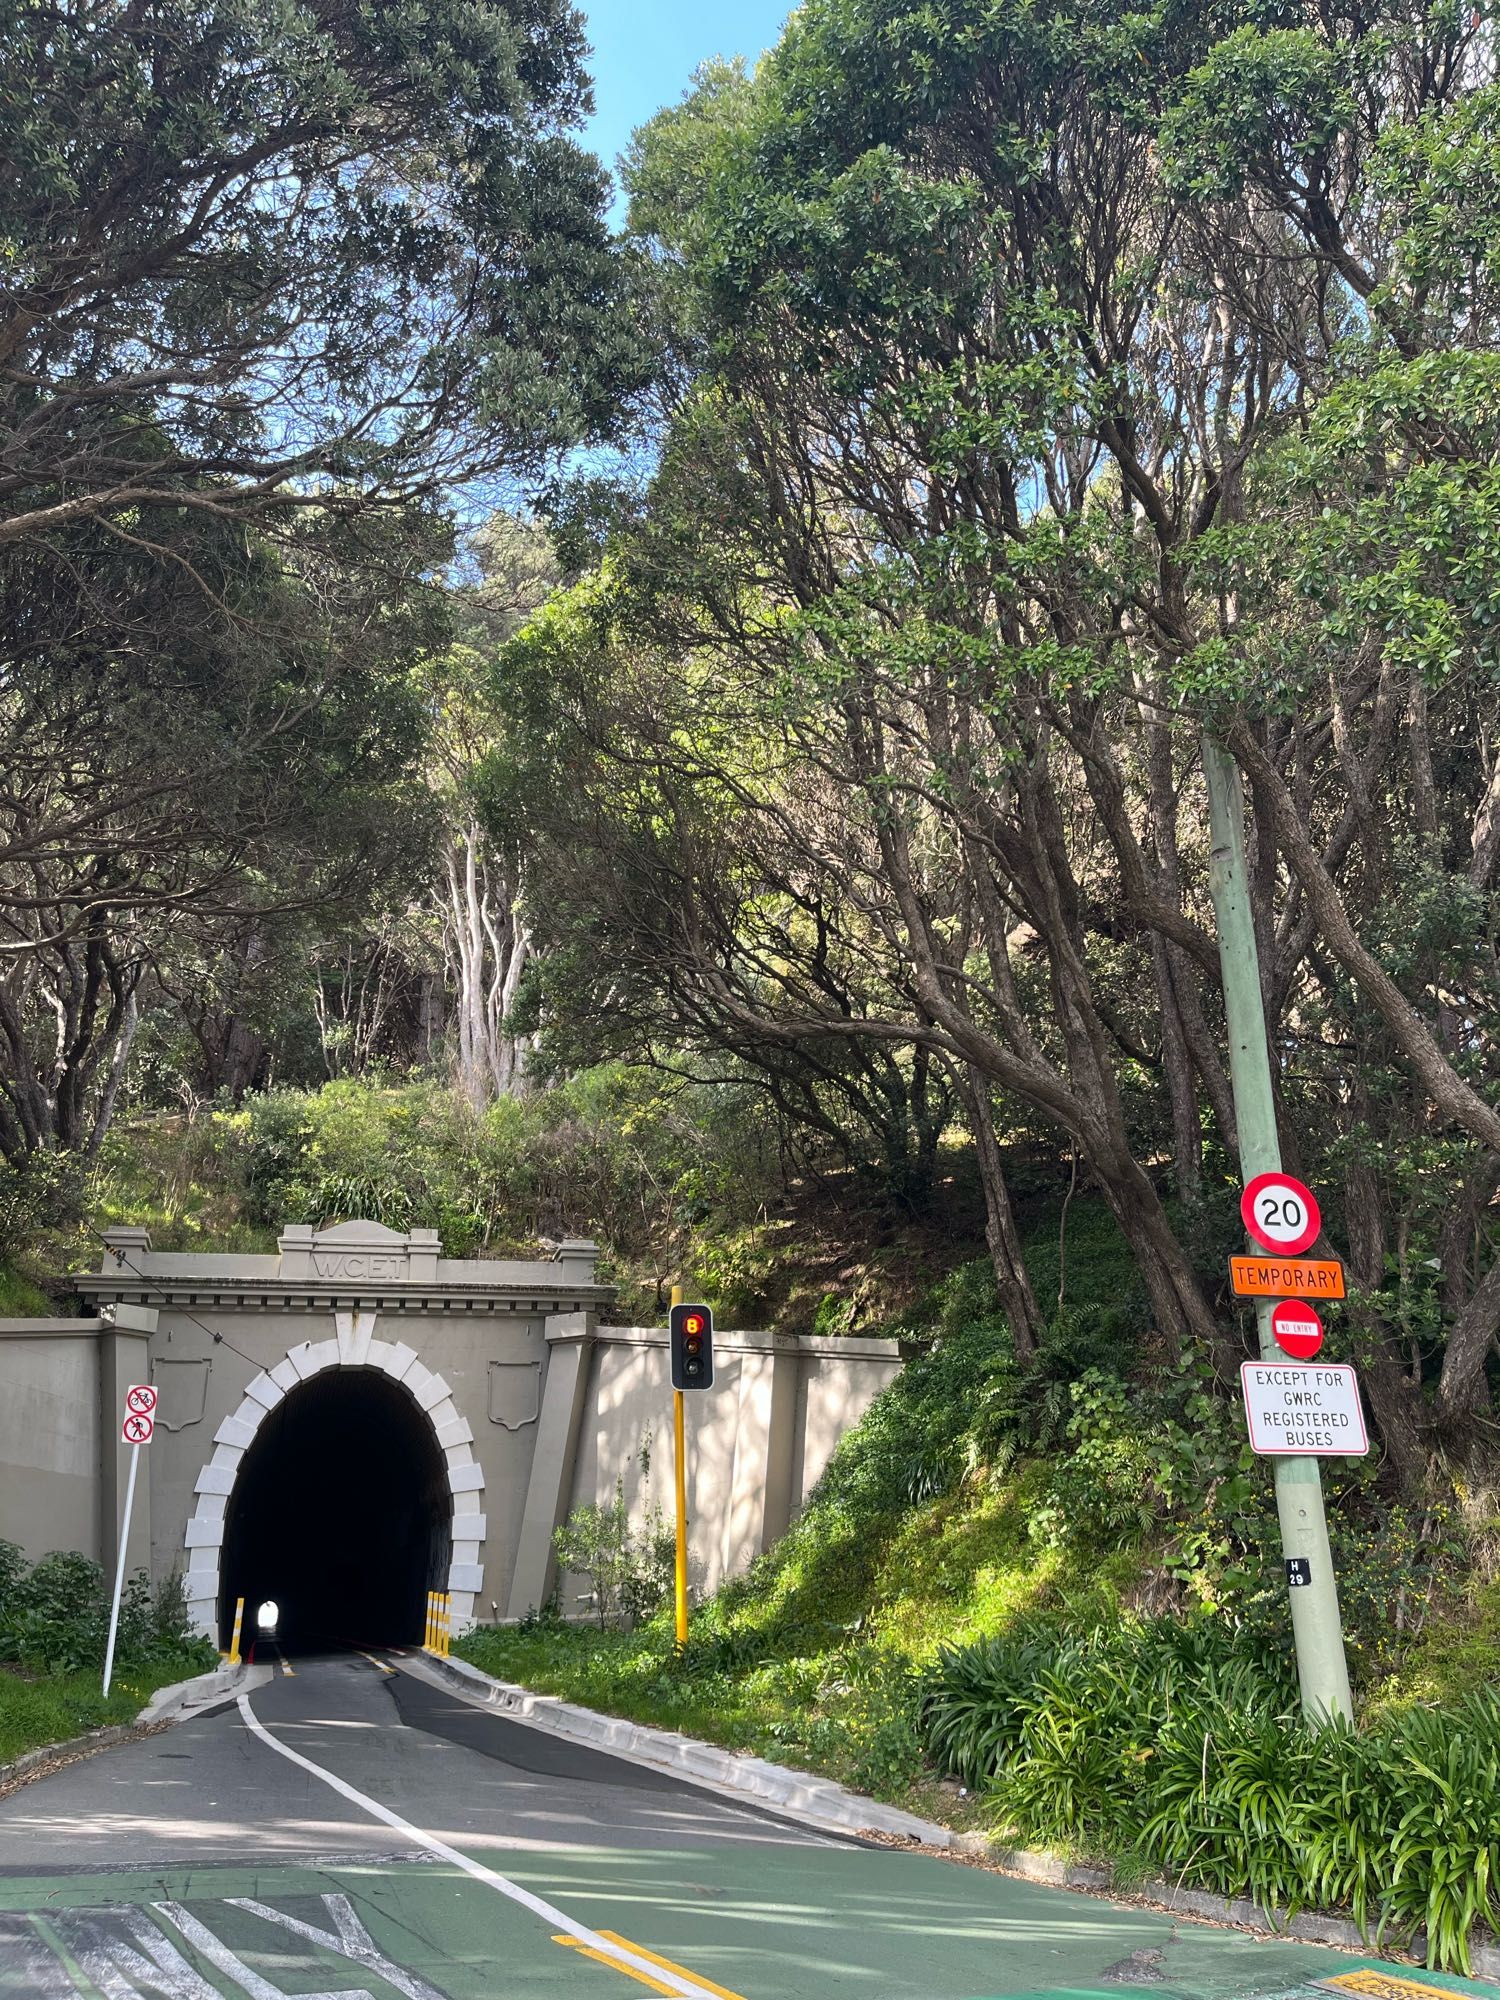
1298, 1330
1280, 1213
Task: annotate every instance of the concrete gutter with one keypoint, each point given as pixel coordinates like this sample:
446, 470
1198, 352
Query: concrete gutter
1309, 1927
168, 1705
831, 1808
36, 1763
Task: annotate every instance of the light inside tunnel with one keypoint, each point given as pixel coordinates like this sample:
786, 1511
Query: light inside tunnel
340, 1515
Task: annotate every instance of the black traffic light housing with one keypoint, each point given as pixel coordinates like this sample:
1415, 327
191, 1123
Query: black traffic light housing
692, 1347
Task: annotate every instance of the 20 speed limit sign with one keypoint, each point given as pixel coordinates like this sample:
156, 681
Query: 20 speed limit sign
1280, 1213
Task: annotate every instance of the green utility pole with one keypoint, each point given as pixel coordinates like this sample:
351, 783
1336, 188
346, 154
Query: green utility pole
1317, 1631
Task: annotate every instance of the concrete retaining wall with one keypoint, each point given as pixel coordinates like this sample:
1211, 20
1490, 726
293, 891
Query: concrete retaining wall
533, 1405
757, 1441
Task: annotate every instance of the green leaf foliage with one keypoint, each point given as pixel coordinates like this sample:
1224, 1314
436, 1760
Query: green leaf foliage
1177, 1746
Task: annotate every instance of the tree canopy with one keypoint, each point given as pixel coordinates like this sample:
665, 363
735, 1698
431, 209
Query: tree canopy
1040, 392
283, 292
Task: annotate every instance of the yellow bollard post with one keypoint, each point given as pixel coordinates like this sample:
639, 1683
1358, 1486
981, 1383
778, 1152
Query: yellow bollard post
429, 1637
447, 1624
234, 1643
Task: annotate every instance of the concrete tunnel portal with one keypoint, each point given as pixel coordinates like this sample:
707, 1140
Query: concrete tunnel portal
341, 1514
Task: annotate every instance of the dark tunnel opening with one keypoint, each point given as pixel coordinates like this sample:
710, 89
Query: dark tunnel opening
340, 1514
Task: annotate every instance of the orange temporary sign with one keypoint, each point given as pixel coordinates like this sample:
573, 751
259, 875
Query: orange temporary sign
1287, 1277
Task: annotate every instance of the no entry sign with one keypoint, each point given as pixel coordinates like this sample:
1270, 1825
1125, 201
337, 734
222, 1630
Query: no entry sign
136, 1429
1298, 1330
1303, 1407
1280, 1213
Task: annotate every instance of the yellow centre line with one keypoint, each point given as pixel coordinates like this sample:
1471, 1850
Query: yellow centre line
1381, 1985
374, 1662
655, 1958
284, 1667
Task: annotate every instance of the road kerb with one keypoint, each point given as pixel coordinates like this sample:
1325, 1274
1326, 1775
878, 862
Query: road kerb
184, 1699
818, 1803
827, 1807
175, 1703
41, 1761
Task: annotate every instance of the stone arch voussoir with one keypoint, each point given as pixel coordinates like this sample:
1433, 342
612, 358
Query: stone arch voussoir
354, 1346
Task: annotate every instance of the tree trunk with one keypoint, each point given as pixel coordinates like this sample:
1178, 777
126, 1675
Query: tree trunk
488, 950
118, 1063
1182, 1313
430, 1012
1467, 1351
1187, 1134
1017, 1300
244, 1054
1400, 1418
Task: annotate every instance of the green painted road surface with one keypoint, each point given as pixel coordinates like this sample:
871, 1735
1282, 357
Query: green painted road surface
412, 1844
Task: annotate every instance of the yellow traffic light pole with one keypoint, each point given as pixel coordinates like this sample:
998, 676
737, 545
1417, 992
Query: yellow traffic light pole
679, 1435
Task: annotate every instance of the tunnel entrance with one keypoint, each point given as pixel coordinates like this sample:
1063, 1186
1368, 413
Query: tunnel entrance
340, 1514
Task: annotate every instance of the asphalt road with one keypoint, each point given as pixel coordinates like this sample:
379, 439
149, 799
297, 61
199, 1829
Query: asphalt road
348, 1830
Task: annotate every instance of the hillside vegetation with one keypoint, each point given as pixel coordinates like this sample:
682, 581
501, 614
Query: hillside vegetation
678, 1183
1050, 1605
1005, 450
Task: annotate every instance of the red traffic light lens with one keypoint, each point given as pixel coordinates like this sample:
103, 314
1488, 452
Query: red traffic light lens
693, 1323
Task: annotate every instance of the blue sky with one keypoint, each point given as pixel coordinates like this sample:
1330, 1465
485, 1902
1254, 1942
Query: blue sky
645, 52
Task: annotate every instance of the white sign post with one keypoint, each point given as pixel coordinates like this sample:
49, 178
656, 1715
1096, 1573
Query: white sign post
136, 1426
1309, 1409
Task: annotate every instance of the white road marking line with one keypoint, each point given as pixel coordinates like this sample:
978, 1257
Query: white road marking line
348, 1939
689, 1989
219, 1954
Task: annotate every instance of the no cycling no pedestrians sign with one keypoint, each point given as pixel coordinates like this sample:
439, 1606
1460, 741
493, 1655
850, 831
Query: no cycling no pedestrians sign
139, 1420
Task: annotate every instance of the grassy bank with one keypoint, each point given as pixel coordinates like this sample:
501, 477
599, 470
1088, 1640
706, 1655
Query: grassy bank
1049, 1604
54, 1620
812, 1662
38, 1709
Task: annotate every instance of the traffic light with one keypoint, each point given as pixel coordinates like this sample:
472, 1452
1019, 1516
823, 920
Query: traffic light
692, 1347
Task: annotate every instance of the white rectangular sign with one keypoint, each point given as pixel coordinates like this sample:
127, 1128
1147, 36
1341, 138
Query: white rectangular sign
1310, 1408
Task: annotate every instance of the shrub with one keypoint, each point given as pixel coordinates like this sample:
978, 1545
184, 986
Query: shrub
1179, 1745
631, 1569
55, 1616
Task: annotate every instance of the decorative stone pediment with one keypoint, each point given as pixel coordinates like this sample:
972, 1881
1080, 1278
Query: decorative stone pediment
358, 1252
364, 1235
